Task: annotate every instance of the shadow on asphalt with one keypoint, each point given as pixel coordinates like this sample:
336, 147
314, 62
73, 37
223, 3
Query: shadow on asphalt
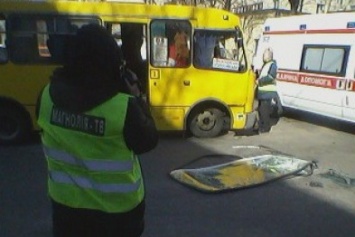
307, 117
173, 210
320, 120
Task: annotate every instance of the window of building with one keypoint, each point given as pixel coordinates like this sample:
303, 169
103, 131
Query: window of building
320, 8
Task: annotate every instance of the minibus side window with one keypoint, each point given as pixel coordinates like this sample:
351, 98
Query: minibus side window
40, 39
170, 43
3, 50
22, 39
218, 50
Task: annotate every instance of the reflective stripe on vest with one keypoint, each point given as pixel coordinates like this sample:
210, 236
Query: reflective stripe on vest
64, 178
92, 165
271, 87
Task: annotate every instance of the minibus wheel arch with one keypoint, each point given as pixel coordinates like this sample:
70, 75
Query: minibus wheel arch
208, 119
15, 126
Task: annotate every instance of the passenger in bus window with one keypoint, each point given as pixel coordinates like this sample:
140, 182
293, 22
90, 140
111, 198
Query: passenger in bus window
266, 92
178, 50
204, 49
219, 50
92, 133
230, 48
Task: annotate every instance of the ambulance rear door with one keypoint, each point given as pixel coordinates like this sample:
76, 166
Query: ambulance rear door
349, 90
349, 101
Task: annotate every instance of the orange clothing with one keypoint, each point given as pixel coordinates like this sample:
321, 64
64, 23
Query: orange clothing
179, 50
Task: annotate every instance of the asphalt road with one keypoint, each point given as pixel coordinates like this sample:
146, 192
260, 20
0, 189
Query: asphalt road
316, 205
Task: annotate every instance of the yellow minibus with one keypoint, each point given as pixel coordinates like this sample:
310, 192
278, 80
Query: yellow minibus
190, 61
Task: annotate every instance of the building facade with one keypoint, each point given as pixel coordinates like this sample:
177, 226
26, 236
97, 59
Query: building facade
305, 6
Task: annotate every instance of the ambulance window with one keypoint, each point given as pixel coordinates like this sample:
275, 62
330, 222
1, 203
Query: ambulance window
332, 60
325, 59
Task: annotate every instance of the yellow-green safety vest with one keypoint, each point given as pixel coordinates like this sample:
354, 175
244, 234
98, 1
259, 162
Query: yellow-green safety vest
264, 72
89, 164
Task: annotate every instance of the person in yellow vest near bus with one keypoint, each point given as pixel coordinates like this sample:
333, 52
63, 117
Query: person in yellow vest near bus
92, 132
266, 93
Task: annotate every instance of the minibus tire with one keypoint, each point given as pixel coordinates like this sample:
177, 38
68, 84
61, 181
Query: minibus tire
15, 126
206, 123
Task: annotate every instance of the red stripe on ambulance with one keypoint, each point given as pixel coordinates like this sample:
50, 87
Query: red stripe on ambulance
316, 80
321, 31
308, 79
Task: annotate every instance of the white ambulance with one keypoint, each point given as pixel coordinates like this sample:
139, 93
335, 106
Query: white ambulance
315, 55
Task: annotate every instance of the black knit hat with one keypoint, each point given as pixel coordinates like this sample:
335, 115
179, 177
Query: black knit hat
94, 58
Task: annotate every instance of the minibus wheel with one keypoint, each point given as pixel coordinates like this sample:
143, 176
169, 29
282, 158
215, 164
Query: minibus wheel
206, 122
14, 126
